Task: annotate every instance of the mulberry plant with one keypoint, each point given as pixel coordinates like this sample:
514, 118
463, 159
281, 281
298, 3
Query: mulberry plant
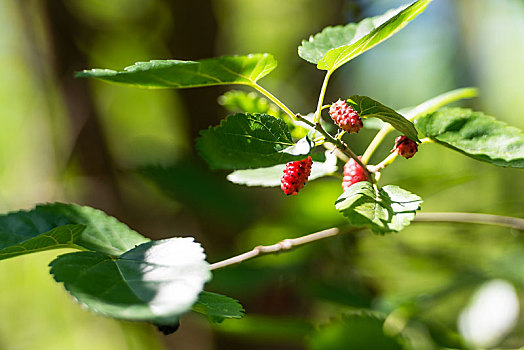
119, 273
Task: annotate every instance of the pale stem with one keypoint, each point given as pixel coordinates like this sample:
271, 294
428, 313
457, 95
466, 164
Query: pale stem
282, 105
321, 97
377, 140
290, 243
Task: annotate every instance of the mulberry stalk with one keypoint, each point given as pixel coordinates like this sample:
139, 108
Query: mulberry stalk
345, 117
353, 173
295, 176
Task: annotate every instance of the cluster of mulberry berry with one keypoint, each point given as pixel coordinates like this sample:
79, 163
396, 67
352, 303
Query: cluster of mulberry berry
353, 173
345, 117
405, 147
295, 176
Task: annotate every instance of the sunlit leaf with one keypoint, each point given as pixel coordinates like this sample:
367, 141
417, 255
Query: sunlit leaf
270, 176
345, 43
383, 210
244, 141
244, 70
368, 108
156, 281
357, 330
218, 307
476, 135
59, 225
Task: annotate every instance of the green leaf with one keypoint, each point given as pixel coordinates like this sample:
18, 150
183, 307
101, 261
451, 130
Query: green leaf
358, 331
387, 209
65, 236
244, 141
218, 307
236, 101
59, 225
156, 281
270, 176
339, 45
367, 107
244, 70
476, 135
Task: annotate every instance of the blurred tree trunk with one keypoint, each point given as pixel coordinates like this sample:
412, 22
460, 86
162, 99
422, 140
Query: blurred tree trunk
90, 146
194, 37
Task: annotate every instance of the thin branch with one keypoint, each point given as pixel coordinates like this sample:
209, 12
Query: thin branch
290, 243
282, 246
472, 218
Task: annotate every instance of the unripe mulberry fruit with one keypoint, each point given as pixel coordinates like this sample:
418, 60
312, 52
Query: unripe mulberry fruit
345, 117
353, 173
405, 147
295, 176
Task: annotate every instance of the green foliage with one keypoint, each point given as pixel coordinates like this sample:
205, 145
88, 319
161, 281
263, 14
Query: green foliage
156, 281
218, 307
270, 176
335, 46
476, 135
244, 141
367, 107
244, 70
356, 331
383, 210
59, 237
64, 225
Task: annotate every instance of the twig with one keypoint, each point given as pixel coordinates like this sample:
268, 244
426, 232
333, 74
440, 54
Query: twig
472, 218
290, 243
285, 245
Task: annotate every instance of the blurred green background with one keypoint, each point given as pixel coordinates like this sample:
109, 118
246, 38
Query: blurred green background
130, 152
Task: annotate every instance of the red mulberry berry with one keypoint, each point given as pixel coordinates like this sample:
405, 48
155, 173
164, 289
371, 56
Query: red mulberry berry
353, 173
405, 147
295, 176
345, 117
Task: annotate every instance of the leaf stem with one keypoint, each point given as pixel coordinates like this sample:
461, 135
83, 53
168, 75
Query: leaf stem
373, 145
290, 243
318, 111
282, 105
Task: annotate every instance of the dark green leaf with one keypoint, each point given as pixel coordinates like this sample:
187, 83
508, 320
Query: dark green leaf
43, 228
476, 135
270, 176
156, 281
236, 101
190, 183
356, 331
384, 210
245, 70
218, 307
345, 43
244, 141
12, 244
367, 108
